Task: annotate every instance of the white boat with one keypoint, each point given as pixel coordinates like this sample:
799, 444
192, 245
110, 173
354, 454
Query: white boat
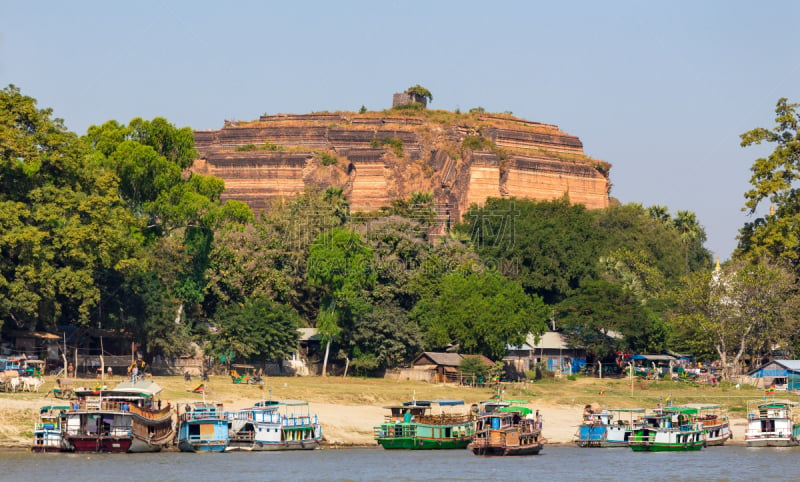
772, 423
713, 419
272, 425
47, 436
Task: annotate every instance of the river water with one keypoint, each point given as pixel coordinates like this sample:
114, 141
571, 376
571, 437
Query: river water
554, 463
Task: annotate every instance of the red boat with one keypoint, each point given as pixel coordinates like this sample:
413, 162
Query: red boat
126, 418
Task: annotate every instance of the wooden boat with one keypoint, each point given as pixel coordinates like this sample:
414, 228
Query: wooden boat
667, 430
203, 427
772, 424
509, 430
602, 430
273, 425
712, 419
413, 425
126, 418
47, 436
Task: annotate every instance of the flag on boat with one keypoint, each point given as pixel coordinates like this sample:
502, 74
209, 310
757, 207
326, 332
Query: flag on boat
200, 388
770, 390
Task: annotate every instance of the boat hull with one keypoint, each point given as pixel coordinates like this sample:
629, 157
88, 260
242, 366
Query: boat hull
606, 444
490, 450
101, 444
772, 442
666, 447
414, 443
273, 447
201, 447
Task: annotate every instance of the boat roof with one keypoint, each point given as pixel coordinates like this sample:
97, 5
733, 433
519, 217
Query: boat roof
145, 387
777, 403
624, 410
54, 407
293, 403
428, 403
516, 408
702, 406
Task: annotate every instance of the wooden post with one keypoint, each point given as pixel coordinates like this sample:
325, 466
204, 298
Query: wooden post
631, 369
102, 361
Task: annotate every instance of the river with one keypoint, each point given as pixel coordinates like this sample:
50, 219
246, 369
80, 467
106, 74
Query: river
554, 463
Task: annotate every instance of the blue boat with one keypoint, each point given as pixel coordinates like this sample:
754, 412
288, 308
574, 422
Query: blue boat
601, 430
203, 428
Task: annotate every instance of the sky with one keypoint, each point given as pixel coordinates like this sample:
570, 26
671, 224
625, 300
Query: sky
661, 90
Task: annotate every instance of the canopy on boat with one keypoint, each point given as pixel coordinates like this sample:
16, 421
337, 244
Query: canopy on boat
702, 406
520, 410
626, 410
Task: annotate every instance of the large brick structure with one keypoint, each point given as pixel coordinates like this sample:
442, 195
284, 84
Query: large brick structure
380, 156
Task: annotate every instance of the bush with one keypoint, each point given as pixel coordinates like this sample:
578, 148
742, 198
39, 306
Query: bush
393, 142
328, 159
413, 106
475, 143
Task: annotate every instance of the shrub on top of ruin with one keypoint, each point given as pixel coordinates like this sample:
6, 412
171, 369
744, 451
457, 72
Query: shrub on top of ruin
393, 142
362, 110
477, 110
476, 143
327, 159
411, 106
246, 147
420, 91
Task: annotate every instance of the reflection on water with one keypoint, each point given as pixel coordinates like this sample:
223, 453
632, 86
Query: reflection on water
555, 463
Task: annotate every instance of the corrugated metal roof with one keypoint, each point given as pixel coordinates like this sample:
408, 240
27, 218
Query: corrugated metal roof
549, 340
307, 334
776, 368
439, 358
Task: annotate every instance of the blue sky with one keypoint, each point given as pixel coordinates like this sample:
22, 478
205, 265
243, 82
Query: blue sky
661, 90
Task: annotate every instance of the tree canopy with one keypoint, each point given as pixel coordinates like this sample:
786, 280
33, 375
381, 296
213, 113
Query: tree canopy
774, 179
481, 312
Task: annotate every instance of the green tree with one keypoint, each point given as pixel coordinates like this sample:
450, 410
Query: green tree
472, 368
259, 327
605, 317
481, 312
548, 246
774, 179
341, 265
180, 213
743, 308
386, 333
420, 91
63, 229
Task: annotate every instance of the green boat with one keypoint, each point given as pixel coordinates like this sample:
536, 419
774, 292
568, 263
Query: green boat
667, 430
413, 425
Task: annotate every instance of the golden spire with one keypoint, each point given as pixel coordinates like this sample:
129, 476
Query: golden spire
772, 210
717, 266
